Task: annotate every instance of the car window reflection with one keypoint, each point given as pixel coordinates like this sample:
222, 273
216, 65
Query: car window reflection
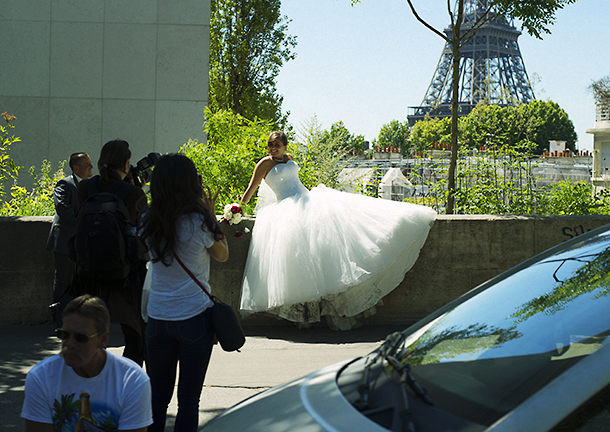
490, 353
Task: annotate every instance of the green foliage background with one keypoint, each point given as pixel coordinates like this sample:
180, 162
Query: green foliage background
8, 170
235, 144
249, 42
39, 201
493, 125
498, 180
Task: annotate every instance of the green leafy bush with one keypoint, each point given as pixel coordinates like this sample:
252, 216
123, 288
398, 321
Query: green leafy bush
500, 181
39, 201
234, 146
571, 198
8, 169
496, 181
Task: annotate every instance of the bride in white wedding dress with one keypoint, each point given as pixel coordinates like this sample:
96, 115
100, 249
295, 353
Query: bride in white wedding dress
324, 254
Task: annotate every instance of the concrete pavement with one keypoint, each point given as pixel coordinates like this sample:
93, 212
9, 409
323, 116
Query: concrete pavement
271, 356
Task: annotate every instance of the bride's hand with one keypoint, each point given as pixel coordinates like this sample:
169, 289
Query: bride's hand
209, 201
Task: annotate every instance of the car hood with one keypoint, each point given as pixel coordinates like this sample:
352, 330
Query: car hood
314, 402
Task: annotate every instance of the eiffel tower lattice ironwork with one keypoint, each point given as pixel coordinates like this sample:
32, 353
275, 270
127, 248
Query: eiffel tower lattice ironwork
491, 69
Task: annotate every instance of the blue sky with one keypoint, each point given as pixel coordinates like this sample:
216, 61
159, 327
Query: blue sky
366, 64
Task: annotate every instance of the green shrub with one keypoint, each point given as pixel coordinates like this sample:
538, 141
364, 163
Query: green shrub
234, 146
8, 169
39, 201
571, 198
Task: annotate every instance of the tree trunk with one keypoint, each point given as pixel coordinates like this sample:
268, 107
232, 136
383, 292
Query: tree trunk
455, 92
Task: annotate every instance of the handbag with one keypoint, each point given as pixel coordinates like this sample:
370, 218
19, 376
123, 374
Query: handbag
226, 325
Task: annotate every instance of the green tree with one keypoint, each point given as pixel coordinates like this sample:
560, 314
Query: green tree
337, 138
358, 144
535, 16
340, 140
319, 153
428, 132
395, 134
8, 169
552, 123
248, 45
487, 126
538, 122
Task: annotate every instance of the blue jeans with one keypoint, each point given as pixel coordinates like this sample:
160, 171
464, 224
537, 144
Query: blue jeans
190, 342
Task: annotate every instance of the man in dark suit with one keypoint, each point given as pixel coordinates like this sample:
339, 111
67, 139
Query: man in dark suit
64, 228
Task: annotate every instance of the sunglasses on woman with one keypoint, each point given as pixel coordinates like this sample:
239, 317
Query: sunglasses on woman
81, 338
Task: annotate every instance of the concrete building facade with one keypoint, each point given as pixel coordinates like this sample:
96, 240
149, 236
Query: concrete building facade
78, 73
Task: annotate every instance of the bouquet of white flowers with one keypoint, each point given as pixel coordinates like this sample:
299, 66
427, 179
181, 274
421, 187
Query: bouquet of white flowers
233, 214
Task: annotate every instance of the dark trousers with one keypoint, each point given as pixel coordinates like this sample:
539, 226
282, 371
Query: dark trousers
190, 342
64, 273
123, 299
65, 270
135, 347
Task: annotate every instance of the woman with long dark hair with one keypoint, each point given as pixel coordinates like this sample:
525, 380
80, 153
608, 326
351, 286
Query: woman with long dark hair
180, 226
123, 295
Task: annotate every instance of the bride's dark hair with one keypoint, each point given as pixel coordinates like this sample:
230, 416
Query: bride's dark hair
175, 190
278, 136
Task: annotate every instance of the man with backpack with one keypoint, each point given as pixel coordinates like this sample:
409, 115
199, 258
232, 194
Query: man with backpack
109, 262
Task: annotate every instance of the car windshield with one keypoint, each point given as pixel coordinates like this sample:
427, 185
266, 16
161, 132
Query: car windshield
487, 355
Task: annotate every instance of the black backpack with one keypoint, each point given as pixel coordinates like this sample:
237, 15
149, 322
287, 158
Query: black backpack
105, 243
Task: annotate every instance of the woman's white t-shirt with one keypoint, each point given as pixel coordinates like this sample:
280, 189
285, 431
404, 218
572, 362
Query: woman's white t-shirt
174, 295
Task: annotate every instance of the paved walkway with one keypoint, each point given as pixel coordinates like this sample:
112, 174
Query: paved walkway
271, 356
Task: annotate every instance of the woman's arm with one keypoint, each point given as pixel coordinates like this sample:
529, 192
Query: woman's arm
219, 250
262, 168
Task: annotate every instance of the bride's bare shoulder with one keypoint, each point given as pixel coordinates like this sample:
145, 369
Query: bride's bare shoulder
265, 161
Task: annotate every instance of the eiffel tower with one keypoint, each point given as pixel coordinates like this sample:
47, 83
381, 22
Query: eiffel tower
491, 69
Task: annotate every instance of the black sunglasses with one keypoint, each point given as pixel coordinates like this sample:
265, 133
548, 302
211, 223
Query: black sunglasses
81, 338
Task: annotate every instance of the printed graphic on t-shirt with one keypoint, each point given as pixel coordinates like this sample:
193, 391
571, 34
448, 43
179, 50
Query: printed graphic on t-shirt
80, 415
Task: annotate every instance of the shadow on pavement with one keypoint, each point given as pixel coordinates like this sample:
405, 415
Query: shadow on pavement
323, 334
21, 347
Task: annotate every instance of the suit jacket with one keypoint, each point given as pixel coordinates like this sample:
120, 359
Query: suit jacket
64, 221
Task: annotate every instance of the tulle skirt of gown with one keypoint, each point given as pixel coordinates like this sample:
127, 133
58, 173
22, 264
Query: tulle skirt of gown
330, 253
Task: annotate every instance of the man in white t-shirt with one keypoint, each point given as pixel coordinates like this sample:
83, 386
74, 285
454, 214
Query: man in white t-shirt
85, 387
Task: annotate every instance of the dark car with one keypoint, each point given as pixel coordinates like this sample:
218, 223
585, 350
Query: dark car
526, 351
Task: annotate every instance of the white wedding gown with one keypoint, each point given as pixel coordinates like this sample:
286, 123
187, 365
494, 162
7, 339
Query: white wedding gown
327, 253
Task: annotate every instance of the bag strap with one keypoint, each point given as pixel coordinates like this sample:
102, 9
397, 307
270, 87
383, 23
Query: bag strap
192, 275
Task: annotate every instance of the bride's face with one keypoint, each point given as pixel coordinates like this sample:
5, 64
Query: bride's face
276, 149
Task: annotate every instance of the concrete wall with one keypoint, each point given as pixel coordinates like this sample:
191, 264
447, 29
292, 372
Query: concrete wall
77, 74
461, 252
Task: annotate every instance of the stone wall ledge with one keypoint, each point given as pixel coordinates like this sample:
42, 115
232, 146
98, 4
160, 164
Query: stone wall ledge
461, 252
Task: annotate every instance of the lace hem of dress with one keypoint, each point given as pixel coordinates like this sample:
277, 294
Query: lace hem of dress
348, 309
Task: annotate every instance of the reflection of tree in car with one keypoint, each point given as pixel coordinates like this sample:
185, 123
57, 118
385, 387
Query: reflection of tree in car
453, 342
593, 276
